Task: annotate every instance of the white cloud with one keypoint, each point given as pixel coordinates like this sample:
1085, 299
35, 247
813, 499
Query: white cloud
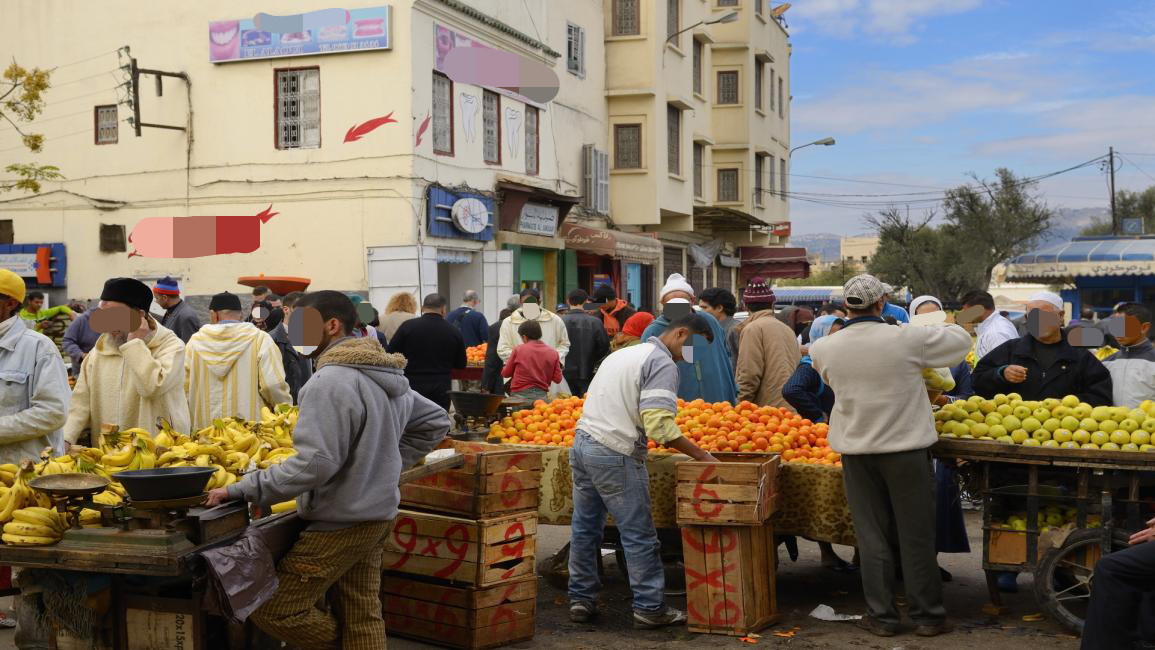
1086, 128
891, 19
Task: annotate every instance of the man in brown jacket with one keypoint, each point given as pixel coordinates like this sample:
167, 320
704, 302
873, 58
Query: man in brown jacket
768, 351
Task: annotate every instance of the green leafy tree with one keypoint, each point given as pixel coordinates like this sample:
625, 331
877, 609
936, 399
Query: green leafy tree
832, 276
1128, 205
21, 100
982, 224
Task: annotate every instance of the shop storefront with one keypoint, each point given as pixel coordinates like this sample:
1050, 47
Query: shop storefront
625, 261
528, 224
772, 263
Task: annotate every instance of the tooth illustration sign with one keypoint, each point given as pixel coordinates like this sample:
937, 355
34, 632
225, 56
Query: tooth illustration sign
201, 236
355, 133
300, 22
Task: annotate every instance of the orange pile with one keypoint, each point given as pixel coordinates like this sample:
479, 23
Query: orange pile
713, 427
476, 354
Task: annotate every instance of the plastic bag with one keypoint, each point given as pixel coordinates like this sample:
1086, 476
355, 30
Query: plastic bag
558, 390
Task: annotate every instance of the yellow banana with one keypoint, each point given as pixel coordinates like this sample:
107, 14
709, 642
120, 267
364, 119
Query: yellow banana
22, 528
284, 506
202, 460
107, 498
36, 516
120, 458
27, 540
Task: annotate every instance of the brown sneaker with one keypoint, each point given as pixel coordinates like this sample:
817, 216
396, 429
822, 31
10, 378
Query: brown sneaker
876, 627
933, 629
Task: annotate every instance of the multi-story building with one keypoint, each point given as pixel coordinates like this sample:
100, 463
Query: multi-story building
857, 251
465, 186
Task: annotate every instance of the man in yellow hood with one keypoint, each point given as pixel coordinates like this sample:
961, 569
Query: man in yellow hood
553, 331
232, 368
133, 375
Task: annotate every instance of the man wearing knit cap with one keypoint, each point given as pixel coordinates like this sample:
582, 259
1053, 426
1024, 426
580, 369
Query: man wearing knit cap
135, 372
1041, 363
768, 351
710, 376
179, 316
232, 368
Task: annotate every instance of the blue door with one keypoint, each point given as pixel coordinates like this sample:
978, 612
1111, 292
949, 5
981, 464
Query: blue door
634, 283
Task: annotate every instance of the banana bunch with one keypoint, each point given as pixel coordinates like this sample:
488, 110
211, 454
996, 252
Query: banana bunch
36, 526
65, 464
276, 456
86, 465
167, 436
284, 506
8, 473
191, 454
21, 495
140, 453
221, 478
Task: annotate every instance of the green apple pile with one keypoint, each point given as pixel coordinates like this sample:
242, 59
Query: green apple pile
1049, 518
1066, 423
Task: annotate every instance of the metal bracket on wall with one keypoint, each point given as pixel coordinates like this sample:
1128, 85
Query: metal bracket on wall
135, 73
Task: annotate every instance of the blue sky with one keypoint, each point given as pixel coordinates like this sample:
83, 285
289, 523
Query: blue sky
923, 92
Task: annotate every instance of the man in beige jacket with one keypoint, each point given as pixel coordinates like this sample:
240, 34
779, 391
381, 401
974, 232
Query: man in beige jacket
553, 331
130, 378
768, 351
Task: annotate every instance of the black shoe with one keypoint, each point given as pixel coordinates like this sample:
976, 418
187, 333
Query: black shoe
580, 612
946, 575
876, 627
652, 621
934, 629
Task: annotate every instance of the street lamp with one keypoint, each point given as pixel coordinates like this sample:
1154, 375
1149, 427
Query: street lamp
826, 142
727, 18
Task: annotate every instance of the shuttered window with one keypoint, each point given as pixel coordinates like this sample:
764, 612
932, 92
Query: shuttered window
782, 176
597, 179
673, 139
575, 49
299, 108
112, 239
491, 119
442, 114
771, 187
758, 68
781, 98
673, 17
531, 139
724, 277
627, 146
728, 186
698, 51
771, 89
672, 260
727, 87
627, 17
699, 159
759, 170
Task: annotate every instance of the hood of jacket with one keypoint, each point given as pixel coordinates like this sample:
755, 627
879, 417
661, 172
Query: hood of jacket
366, 355
159, 338
222, 344
517, 318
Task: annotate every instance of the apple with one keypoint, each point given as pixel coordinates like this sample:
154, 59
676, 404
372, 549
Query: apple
998, 431
958, 415
1042, 435
1070, 401
1140, 437
1130, 446
1052, 424
1148, 424
1137, 415
1005, 410
1041, 414
1119, 413
1120, 437
1108, 425
1146, 447
1012, 422
1062, 435
1129, 425
1010, 441
1032, 424
1069, 422
1051, 402
1089, 445
976, 416
1109, 446
1083, 410
1021, 411
1014, 397
1081, 436
1050, 443
1070, 444
993, 419
1054, 518
1147, 405
980, 430
1020, 436
1101, 413
1090, 424
1019, 524
987, 406
1100, 438
1000, 399
1031, 442
1060, 411
967, 436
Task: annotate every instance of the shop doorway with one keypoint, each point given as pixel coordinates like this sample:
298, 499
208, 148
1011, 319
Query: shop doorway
633, 283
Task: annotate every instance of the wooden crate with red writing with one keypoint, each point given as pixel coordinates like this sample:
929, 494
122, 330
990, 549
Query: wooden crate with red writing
730, 578
478, 553
738, 491
495, 479
460, 617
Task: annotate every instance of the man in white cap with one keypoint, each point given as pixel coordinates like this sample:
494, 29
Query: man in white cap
883, 427
1041, 363
709, 373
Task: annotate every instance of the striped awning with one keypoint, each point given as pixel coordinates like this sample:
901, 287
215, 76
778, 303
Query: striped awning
805, 294
1085, 257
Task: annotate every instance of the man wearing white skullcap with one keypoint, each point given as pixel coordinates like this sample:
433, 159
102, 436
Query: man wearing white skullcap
1041, 364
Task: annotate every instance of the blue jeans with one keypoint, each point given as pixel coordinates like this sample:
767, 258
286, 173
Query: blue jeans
605, 481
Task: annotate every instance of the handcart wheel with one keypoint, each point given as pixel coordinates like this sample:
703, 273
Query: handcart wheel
1064, 577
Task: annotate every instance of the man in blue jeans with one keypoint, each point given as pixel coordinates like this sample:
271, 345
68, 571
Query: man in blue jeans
632, 397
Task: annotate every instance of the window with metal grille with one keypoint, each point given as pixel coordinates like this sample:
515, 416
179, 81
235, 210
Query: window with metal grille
531, 139
299, 108
673, 17
781, 98
575, 49
725, 277
699, 159
627, 20
759, 170
770, 187
771, 90
627, 146
728, 186
597, 178
491, 120
7, 236
727, 3
782, 177
727, 87
673, 139
698, 51
442, 114
104, 117
758, 68
112, 239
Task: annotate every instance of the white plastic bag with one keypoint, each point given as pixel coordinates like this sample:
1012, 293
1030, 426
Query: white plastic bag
558, 389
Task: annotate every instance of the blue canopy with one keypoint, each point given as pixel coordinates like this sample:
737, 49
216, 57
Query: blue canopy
1086, 256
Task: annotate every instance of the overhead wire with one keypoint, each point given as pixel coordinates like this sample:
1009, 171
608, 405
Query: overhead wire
1132, 163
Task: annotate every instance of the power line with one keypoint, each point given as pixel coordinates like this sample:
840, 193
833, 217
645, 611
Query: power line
1132, 163
79, 79
78, 62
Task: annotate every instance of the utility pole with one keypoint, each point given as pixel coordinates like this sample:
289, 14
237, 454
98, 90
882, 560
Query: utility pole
1111, 162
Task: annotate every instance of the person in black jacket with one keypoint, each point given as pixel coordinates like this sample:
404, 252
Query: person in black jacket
1042, 364
491, 381
433, 349
298, 368
470, 321
588, 343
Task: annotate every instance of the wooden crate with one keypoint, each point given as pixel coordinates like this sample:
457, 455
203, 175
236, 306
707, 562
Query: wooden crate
478, 553
730, 578
495, 479
458, 617
738, 491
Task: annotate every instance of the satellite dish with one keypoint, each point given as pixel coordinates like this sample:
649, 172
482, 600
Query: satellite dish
780, 9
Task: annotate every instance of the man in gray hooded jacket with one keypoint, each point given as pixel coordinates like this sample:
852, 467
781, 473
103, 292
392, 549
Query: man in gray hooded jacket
360, 425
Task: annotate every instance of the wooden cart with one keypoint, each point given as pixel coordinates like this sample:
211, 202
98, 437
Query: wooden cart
1102, 484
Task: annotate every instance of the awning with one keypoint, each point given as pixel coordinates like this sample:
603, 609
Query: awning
1085, 257
805, 294
726, 220
774, 262
630, 247
515, 195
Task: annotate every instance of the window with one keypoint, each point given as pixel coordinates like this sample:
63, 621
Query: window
699, 160
758, 68
627, 20
730, 3
771, 90
627, 146
770, 187
299, 108
491, 121
597, 190
782, 177
781, 98
104, 117
698, 66
758, 6
531, 139
575, 49
6, 233
728, 186
673, 10
727, 87
442, 114
759, 170
112, 239
673, 139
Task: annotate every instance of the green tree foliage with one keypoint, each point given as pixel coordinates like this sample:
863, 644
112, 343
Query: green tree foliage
982, 224
1128, 205
21, 100
833, 276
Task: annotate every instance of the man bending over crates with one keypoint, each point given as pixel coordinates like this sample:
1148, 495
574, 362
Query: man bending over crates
360, 424
633, 396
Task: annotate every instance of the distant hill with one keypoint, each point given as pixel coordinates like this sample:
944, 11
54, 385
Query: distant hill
1070, 221
826, 245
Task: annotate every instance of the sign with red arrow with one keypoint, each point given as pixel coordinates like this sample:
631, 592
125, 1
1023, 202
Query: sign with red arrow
359, 130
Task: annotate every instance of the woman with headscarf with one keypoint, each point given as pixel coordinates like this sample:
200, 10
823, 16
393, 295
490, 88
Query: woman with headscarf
631, 332
798, 319
950, 527
805, 390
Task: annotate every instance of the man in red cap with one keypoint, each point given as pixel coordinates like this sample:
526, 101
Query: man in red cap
179, 316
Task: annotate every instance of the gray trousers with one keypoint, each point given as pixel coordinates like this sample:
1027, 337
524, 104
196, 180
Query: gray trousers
891, 500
